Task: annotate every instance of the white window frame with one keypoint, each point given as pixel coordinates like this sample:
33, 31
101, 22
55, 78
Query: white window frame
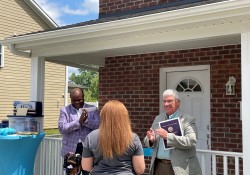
2, 56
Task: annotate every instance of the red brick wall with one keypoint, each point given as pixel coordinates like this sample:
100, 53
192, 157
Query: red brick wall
114, 6
134, 80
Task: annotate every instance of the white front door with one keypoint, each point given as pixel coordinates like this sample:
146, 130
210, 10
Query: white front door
193, 84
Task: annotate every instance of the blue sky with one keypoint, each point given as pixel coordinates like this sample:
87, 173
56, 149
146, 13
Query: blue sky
65, 12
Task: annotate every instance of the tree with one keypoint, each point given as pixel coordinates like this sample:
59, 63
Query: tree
89, 79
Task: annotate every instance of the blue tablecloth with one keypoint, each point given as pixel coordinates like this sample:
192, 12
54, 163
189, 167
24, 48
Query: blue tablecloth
18, 152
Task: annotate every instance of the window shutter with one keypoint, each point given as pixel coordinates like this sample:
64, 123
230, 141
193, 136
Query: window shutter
1, 56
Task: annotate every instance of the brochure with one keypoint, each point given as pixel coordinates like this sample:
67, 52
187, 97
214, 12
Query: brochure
171, 126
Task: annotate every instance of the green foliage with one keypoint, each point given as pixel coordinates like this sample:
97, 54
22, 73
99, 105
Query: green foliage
89, 79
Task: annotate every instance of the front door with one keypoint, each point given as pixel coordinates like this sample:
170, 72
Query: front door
193, 85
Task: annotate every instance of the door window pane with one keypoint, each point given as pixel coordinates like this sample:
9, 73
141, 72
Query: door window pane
189, 85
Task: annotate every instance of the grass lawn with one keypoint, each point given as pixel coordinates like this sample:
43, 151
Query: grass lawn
51, 131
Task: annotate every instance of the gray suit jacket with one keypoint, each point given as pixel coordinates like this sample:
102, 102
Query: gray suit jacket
183, 157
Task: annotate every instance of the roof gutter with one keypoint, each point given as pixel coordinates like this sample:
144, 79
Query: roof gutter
15, 51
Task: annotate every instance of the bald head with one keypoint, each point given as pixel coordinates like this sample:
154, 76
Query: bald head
77, 98
76, 91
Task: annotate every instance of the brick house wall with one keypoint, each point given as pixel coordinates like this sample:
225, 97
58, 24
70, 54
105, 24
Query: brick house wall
134, 80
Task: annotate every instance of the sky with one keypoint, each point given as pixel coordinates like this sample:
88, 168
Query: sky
65, 12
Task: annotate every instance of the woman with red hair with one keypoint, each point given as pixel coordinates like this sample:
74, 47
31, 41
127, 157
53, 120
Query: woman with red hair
113, 148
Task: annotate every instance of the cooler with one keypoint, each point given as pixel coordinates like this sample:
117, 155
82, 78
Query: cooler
26, 123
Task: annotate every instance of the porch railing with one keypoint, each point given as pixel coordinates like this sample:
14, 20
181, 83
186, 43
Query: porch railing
215, 155
49, 160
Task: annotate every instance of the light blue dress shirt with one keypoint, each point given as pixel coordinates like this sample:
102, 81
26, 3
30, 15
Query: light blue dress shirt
162, 153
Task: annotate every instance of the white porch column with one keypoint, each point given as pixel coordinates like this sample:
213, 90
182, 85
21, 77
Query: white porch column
66, 86
245, 83
37, 79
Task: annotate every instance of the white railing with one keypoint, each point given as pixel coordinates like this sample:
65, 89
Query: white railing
48, 159
214, 155
50, 162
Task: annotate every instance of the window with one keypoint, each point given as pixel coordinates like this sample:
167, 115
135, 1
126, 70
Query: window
1, 56
188, 85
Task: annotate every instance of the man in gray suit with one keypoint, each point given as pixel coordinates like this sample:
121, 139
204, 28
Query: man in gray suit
182, 159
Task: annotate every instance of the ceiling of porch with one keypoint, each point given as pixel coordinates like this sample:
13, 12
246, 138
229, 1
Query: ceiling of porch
97, 57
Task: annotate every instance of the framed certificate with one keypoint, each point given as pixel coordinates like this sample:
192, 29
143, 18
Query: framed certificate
171, 126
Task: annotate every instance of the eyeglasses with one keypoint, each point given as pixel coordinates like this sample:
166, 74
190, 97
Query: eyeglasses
169, 101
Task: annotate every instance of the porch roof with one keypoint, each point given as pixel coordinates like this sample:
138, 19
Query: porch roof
87, 46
